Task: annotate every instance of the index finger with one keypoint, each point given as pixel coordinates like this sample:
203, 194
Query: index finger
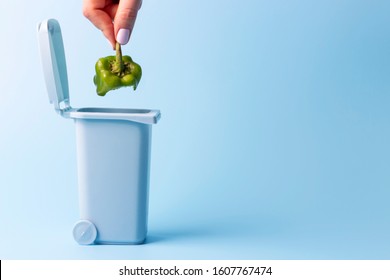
95, 12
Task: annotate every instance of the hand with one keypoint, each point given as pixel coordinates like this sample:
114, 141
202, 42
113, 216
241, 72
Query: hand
115, 18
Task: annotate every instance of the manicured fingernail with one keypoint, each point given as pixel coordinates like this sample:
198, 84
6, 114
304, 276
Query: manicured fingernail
123, 36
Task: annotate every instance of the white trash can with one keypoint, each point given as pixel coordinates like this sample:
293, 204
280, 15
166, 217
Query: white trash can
113, 155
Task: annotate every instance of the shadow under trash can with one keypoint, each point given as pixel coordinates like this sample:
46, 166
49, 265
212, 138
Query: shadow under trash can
113, 155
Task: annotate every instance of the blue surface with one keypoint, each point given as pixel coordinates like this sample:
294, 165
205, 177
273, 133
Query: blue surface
273, 142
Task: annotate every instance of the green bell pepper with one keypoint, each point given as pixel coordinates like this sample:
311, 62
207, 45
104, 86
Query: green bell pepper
113, 72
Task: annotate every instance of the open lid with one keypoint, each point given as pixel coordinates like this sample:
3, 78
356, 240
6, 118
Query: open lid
53, 62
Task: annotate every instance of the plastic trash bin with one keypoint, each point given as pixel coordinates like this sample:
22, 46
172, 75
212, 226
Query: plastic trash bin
113, 155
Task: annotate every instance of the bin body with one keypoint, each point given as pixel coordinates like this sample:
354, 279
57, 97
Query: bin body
113, 160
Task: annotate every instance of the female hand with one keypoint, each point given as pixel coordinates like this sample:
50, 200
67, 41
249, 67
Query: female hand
115, 18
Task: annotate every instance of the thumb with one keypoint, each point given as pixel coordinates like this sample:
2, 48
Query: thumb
125, 19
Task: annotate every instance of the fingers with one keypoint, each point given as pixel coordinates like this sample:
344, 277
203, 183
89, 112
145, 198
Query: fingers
101, 16
102, 13
124, 20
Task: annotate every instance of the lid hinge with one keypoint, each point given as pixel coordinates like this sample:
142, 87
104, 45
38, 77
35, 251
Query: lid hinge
64, 108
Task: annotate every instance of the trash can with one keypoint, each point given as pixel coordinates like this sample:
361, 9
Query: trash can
113, 155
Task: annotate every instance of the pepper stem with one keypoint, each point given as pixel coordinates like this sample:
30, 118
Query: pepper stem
119, 61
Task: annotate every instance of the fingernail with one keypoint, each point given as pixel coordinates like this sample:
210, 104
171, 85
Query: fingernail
123, 36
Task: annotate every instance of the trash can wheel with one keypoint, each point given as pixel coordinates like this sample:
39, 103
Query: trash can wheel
84, 232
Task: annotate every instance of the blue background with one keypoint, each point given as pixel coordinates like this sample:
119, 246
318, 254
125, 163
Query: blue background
273, 142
